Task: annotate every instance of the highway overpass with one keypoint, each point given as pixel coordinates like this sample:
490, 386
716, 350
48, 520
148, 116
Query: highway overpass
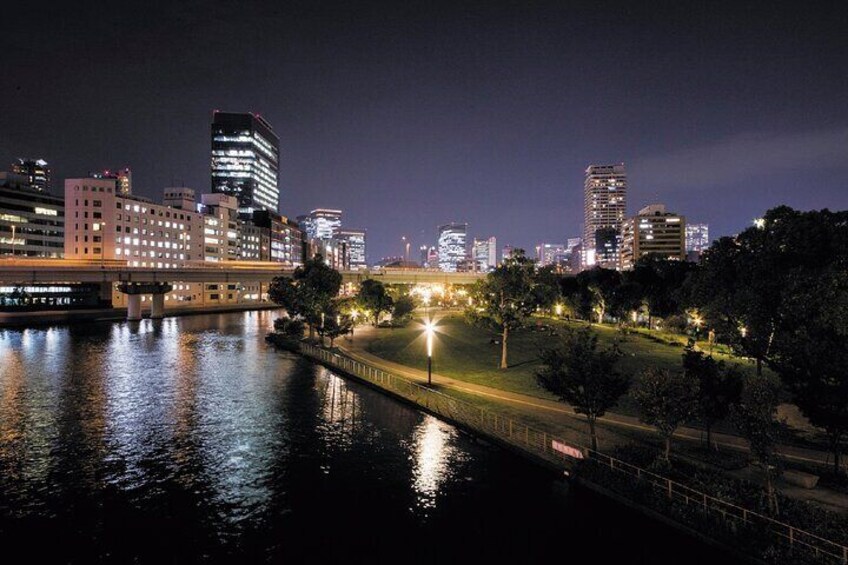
21, 271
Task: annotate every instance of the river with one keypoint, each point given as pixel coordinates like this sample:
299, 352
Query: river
189, 440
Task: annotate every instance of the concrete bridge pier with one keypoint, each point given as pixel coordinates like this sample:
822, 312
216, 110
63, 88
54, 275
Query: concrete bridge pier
157, 307
134, 307
134, 292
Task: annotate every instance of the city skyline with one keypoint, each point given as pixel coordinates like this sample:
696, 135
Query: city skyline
496, 136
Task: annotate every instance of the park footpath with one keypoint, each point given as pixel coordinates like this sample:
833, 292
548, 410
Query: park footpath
619, 428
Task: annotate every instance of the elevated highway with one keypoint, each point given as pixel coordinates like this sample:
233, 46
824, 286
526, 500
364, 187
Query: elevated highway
20, 271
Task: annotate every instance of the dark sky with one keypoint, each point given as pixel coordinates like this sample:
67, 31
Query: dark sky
408, 115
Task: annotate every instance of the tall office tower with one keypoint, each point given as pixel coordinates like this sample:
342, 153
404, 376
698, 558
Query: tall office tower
653, 231
485, 253
355, 239
37, 172
321, 223
507, 252
245, 161
122, 178
452, 250
605, 207
697, 240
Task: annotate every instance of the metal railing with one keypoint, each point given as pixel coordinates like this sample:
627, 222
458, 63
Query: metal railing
564, 455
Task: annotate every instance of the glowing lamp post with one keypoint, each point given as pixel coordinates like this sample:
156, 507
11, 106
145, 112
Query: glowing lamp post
429, 328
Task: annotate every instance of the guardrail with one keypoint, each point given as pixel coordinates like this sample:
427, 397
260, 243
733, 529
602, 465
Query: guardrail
565, 455
554, 450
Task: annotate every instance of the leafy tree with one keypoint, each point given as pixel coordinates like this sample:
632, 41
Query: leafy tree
505, 298
402, 310
719, 386
373, 297
812, 352
666, 400
289, 327
600, 286
334, 324
308, 292
584, 376
754, 416
660, 280
546, 288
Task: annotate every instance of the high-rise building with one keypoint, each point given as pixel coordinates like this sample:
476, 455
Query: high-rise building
452, 251
32, 221
605, 207
122, 178
507, 252
321, 223
697, 240
37, 172
653, 231
245, 161
485, 253
555, 254
356, 250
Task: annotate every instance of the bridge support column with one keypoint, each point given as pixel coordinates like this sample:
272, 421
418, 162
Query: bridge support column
157, 308
134, 291
133, 307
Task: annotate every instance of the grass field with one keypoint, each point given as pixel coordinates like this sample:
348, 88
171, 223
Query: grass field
467, 353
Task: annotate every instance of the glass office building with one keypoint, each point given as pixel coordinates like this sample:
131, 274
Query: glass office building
245, 161
452, 252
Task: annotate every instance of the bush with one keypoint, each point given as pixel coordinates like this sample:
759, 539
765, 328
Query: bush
675, 324
289, 327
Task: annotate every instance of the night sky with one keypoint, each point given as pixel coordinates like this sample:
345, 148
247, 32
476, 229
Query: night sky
409, 115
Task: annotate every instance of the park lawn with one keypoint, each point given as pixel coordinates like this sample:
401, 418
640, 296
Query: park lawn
466, 353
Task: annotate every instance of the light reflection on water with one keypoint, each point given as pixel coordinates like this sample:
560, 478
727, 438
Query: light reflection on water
190, 440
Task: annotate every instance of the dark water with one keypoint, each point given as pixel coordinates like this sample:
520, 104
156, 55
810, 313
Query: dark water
189, 440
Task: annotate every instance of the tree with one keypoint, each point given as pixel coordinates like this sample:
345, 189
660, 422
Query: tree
600, 286
373, 298
660, 280
812, 352
403, 307
582, 375
754, 416
666, 400
308, 292
505, 298
333, 323
779, 293
719, 386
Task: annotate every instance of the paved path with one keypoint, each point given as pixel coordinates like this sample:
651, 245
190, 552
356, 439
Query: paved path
357, 348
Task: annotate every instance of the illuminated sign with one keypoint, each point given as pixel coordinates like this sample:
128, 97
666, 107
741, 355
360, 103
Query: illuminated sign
566, 449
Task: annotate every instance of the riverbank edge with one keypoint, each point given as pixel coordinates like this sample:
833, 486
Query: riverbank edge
21, 320
557, 472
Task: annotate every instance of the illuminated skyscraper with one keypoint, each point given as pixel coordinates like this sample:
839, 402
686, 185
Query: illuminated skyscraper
452, 252
356, 251
605, 207
485, 253
245, 160
697, 238
321, 223
37, 172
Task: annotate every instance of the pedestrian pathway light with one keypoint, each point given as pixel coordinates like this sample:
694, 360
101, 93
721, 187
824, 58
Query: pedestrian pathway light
429, 329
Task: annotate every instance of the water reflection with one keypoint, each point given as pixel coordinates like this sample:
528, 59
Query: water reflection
189, 440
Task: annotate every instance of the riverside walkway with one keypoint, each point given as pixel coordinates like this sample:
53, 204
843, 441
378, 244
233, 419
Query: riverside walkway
540, 409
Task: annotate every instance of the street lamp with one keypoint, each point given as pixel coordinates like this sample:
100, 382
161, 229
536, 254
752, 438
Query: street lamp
429, 328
